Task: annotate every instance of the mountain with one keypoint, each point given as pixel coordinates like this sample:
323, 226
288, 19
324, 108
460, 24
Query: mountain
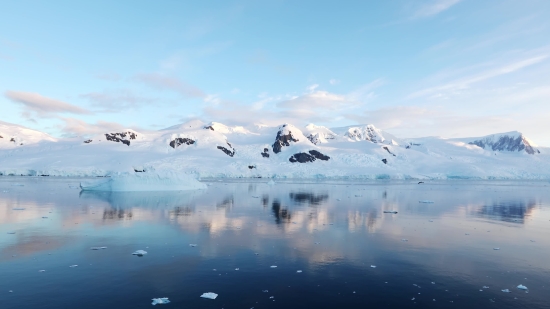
511, 141
12, 135
286, 151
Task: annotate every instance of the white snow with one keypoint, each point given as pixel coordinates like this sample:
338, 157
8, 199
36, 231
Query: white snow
160, 301
139, 252
355, 152
146, 181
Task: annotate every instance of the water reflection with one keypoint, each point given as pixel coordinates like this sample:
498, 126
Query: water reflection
510, 211
282, 214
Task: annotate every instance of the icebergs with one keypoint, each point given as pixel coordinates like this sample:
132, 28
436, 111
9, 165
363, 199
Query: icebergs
192, 245
147, 181
73, 266
522, 287
209, 295
139, 252
160, 301
506, 291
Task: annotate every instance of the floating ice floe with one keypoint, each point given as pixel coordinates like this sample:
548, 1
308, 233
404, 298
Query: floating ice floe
485, 287
426, 202
139, 252
209, 295
273, 266
271, 182
98, 248
390, 211
298, 271
265, 291
522, 287
160, 301
373, 266
236, 268
496, 248
147, 181
192, 245
73, 266
41, 271
506, 291
404, 239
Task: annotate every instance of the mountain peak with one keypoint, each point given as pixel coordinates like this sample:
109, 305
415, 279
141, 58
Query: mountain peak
511, 141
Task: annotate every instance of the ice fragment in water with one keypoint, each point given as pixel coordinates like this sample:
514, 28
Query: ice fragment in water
98, 248
273, 266
160, 301
140, 253
73, 266
506, 291
390, 211
496, 248
236, 269
209, 295
373, 266
192, 245
18, 208
522, 287
426, 202
404, 239
11, 233
41, 271
485, 287
433, 282
298, 271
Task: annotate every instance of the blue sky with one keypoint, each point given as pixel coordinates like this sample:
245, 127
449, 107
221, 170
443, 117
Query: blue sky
453, 68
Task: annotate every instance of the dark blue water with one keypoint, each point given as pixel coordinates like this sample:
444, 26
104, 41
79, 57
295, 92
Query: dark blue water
333, 232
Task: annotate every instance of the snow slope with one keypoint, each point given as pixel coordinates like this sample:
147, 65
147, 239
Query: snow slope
286, 151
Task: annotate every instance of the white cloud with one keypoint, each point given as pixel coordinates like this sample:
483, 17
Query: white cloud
434, 7
77, 127
43, 106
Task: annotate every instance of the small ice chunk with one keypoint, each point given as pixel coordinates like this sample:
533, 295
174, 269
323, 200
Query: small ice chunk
485, 287
41, 271
11, 233
298, 271
44, 217
139, 252
433, 282
390, 211
373, 266
358, 195
496, 248
98, 248
265, 291
18, 185
273, 266
426, 202
506, 291
254, 196
73, 266
160, 301
404, 239
192, 245
317, 243
236, 268
413, 298
209, 295
522, 287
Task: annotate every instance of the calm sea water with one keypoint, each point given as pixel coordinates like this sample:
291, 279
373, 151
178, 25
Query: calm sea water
428, 255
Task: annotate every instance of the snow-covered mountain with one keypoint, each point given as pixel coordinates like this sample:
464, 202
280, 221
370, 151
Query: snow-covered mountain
286, 151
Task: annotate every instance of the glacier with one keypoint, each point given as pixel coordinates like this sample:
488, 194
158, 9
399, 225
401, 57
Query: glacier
196, 149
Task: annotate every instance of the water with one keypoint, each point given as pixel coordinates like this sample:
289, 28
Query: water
333, 232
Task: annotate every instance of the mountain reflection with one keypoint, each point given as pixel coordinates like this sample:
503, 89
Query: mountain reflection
514, 212
309, 198
117, 214
282, 214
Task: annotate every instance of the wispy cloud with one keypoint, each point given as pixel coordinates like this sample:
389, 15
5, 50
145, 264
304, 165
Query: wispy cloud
76, 127
164, 82
456, 86
434, 7
118, 100
43, 106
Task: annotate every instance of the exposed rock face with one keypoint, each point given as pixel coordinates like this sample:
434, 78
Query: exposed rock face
87, 141
506, 142
283, 139
227, 151
385, 161
265, 154
303, 157
388, 150
12, 140
123, 137
251, 167
209, 127
180, 141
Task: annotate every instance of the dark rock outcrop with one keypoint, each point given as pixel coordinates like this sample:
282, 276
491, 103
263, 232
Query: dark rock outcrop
12, 140
265, 154
283, 140
385, 161
251, 166
180, 141
87, 141
209, 127
388, 150
303, 157
123, 137
227, 151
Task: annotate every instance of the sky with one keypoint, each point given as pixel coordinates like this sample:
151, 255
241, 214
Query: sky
452, 68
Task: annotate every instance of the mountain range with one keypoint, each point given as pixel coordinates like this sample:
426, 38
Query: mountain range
285, 151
